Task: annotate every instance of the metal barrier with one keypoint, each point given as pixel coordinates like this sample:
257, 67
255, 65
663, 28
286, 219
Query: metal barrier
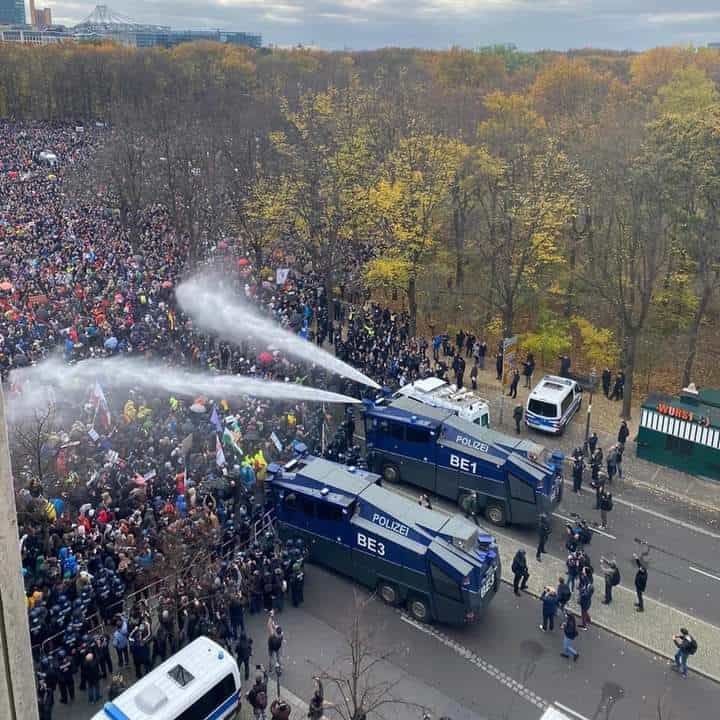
47, 643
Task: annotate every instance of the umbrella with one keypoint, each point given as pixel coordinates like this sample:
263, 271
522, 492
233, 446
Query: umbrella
198, 408
243, 262
111, 343
265, 358
6, 286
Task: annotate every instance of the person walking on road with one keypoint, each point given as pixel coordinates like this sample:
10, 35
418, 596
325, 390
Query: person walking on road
549, 609
606, 506
520, 571
686, 645
619, 450
517, 417
570, 632
585, 602
572, 570
543, 535
592, 443
274, 643
641, 577
474, 375
611, 573
563, 593
257, 697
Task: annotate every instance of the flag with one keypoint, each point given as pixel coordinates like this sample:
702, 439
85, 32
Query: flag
231, 439
219, 454
215, 420
102, 409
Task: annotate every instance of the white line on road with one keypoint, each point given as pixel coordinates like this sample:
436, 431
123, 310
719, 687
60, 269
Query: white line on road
707, 574
566, 709
494, 672
594, 529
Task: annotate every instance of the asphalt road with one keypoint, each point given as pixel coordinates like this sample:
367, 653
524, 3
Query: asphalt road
504, 668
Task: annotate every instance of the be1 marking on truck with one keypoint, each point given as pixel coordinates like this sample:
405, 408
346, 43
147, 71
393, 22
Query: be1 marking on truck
371, 544
390, 524
463, 464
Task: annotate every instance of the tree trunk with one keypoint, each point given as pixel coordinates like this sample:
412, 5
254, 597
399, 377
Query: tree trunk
694, 333
459, 223
412, 305
508, 320
631, 341
572, 262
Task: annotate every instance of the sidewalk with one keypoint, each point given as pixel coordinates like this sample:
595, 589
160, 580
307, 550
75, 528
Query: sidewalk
641, 474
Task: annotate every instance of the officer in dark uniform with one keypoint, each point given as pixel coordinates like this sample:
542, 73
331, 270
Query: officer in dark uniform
66, 679
297, 582
543, 535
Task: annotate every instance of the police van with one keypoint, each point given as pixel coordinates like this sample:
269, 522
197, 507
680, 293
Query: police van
199, 682
552, 404
514, 479
440, 568
438, 393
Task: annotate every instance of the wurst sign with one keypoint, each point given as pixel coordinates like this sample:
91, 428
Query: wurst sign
680, 414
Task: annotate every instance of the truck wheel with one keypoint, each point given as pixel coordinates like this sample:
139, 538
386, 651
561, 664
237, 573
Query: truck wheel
419, 609
495, 513
391, 473
388, 593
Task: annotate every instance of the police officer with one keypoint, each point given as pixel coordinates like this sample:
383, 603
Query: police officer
66, 679
578, 467
471, 505
520, 571
297, 581
543, 535
517, 417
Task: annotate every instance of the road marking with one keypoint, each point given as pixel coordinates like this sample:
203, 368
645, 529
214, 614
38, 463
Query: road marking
662, 516
594, 529
566, 709
707, 574
494, 672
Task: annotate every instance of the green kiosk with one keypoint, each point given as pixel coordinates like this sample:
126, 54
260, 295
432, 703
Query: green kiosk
682, 432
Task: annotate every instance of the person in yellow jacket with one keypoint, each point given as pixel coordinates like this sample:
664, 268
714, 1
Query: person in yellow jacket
129, 412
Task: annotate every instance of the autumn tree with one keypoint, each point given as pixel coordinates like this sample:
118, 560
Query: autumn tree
691, 143
690, 90
654, 68
628, 242
529, 197
325, 154
406, 203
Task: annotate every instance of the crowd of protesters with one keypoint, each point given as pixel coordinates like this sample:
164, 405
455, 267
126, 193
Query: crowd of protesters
129, 489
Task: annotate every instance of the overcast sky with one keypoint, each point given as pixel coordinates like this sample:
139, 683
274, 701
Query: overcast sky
362, 24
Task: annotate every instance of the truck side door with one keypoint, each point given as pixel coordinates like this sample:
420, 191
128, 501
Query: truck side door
523, 503
420, 443
330, 536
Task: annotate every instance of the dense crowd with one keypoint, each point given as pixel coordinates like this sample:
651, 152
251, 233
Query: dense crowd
130, 489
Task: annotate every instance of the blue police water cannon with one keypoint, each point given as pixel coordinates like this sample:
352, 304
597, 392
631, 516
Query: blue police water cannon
438, 568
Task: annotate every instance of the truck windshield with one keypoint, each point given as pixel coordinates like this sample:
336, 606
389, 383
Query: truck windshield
544, 409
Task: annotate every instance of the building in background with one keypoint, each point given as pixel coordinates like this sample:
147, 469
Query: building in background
33, 36
42, 18
12, 12
105, 24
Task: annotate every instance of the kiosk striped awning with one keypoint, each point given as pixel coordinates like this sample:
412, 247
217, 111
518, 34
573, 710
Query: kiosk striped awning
691, 431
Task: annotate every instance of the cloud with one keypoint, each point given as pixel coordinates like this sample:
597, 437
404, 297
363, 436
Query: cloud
530, 24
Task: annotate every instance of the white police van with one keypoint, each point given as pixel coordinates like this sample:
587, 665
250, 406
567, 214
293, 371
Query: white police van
552, 404
199, 682
437, 393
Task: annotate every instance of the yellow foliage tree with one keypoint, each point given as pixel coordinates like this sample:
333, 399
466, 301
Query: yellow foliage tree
654, 68
690, 90
405, 202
